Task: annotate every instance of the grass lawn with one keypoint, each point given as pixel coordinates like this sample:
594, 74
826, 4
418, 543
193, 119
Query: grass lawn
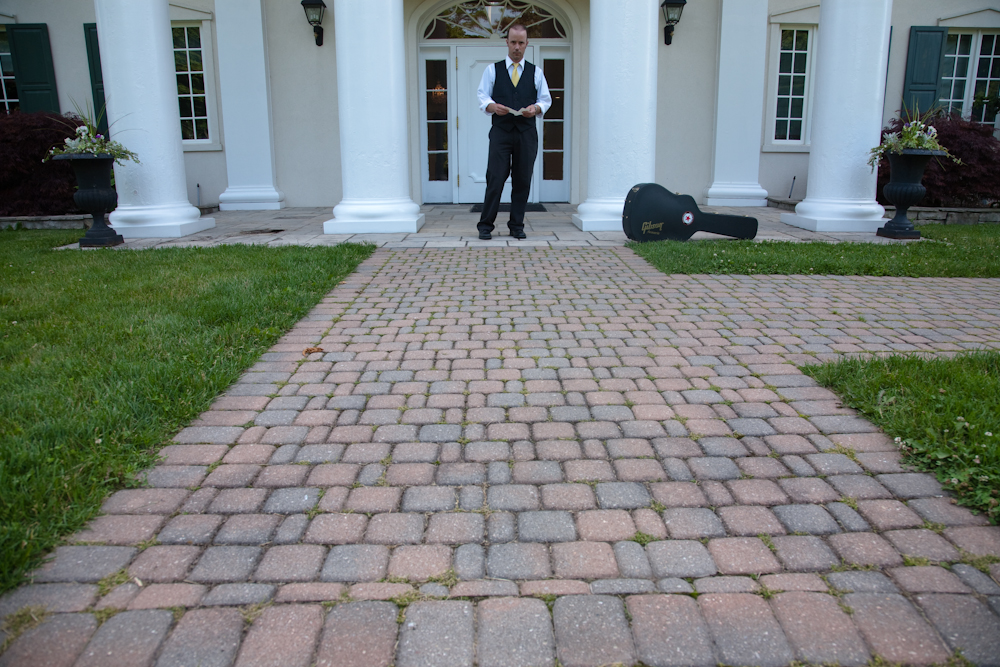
104, 355
946, 412
971, 251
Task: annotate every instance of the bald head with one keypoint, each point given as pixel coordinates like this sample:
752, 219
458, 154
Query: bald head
517, 42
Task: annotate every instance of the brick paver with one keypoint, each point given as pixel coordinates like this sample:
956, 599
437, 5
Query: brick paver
498, 424
283, 636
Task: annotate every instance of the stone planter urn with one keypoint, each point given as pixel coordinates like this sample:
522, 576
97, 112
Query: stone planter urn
904, 189
95, 196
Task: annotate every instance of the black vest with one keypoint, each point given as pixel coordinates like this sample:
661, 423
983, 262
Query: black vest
525, 94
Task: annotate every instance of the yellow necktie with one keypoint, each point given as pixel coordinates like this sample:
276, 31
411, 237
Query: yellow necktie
515, 77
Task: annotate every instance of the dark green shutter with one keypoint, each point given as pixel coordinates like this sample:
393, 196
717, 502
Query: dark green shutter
96, 77
33, 72
923, 69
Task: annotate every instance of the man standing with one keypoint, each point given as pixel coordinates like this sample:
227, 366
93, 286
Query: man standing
513, 91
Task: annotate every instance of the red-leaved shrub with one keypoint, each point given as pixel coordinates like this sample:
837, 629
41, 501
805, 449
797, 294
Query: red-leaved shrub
975, 183
27, 186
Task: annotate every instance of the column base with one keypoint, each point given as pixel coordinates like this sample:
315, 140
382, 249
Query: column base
836, 215
736, 194
170, 221
251, 199
396, 216
599, 215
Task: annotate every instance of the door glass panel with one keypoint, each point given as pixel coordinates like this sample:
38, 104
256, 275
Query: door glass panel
553, 127
437, 164
436, 73
555, 73
552, 166
437, 105
437, 136
557, 109
553, 136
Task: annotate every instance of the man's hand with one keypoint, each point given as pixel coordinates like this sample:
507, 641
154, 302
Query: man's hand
498, 109
530, 111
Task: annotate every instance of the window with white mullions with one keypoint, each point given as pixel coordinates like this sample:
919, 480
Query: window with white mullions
793, 71
190, 71
8, 87
970, 81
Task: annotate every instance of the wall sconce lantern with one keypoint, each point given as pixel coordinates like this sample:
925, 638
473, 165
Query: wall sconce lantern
314, 14
672, 15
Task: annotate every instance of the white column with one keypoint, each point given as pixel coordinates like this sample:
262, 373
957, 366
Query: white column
621, 151
246, 107
374, 147
739, 105
137, 60
846, 118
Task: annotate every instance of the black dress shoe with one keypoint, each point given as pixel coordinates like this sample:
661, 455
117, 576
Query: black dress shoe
485, 236
519, 235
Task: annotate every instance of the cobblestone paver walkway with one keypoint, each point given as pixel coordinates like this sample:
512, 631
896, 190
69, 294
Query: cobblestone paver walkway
536, 457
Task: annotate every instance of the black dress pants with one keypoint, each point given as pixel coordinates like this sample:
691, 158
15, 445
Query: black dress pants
512, 153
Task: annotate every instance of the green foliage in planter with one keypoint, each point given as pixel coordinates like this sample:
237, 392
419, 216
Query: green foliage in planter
975, 183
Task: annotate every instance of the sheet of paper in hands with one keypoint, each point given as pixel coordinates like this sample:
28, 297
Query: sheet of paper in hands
514, 113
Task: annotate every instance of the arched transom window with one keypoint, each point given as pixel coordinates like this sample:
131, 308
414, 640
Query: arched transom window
490, 19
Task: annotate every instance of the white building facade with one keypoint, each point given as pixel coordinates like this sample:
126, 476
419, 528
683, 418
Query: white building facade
232, 102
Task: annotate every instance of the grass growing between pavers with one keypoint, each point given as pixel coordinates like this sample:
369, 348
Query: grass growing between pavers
949, 251
945, 413
104, 355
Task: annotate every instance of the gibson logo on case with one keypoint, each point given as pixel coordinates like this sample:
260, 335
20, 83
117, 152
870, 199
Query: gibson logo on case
652, 228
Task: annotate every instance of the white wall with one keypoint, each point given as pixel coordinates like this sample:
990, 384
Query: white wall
688, 75
304, 105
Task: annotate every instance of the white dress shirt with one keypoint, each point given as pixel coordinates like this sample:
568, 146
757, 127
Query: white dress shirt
485, 91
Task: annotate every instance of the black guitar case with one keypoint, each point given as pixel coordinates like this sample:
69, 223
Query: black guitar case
653, 213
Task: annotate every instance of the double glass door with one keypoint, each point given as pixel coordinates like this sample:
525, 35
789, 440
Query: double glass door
454, 136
